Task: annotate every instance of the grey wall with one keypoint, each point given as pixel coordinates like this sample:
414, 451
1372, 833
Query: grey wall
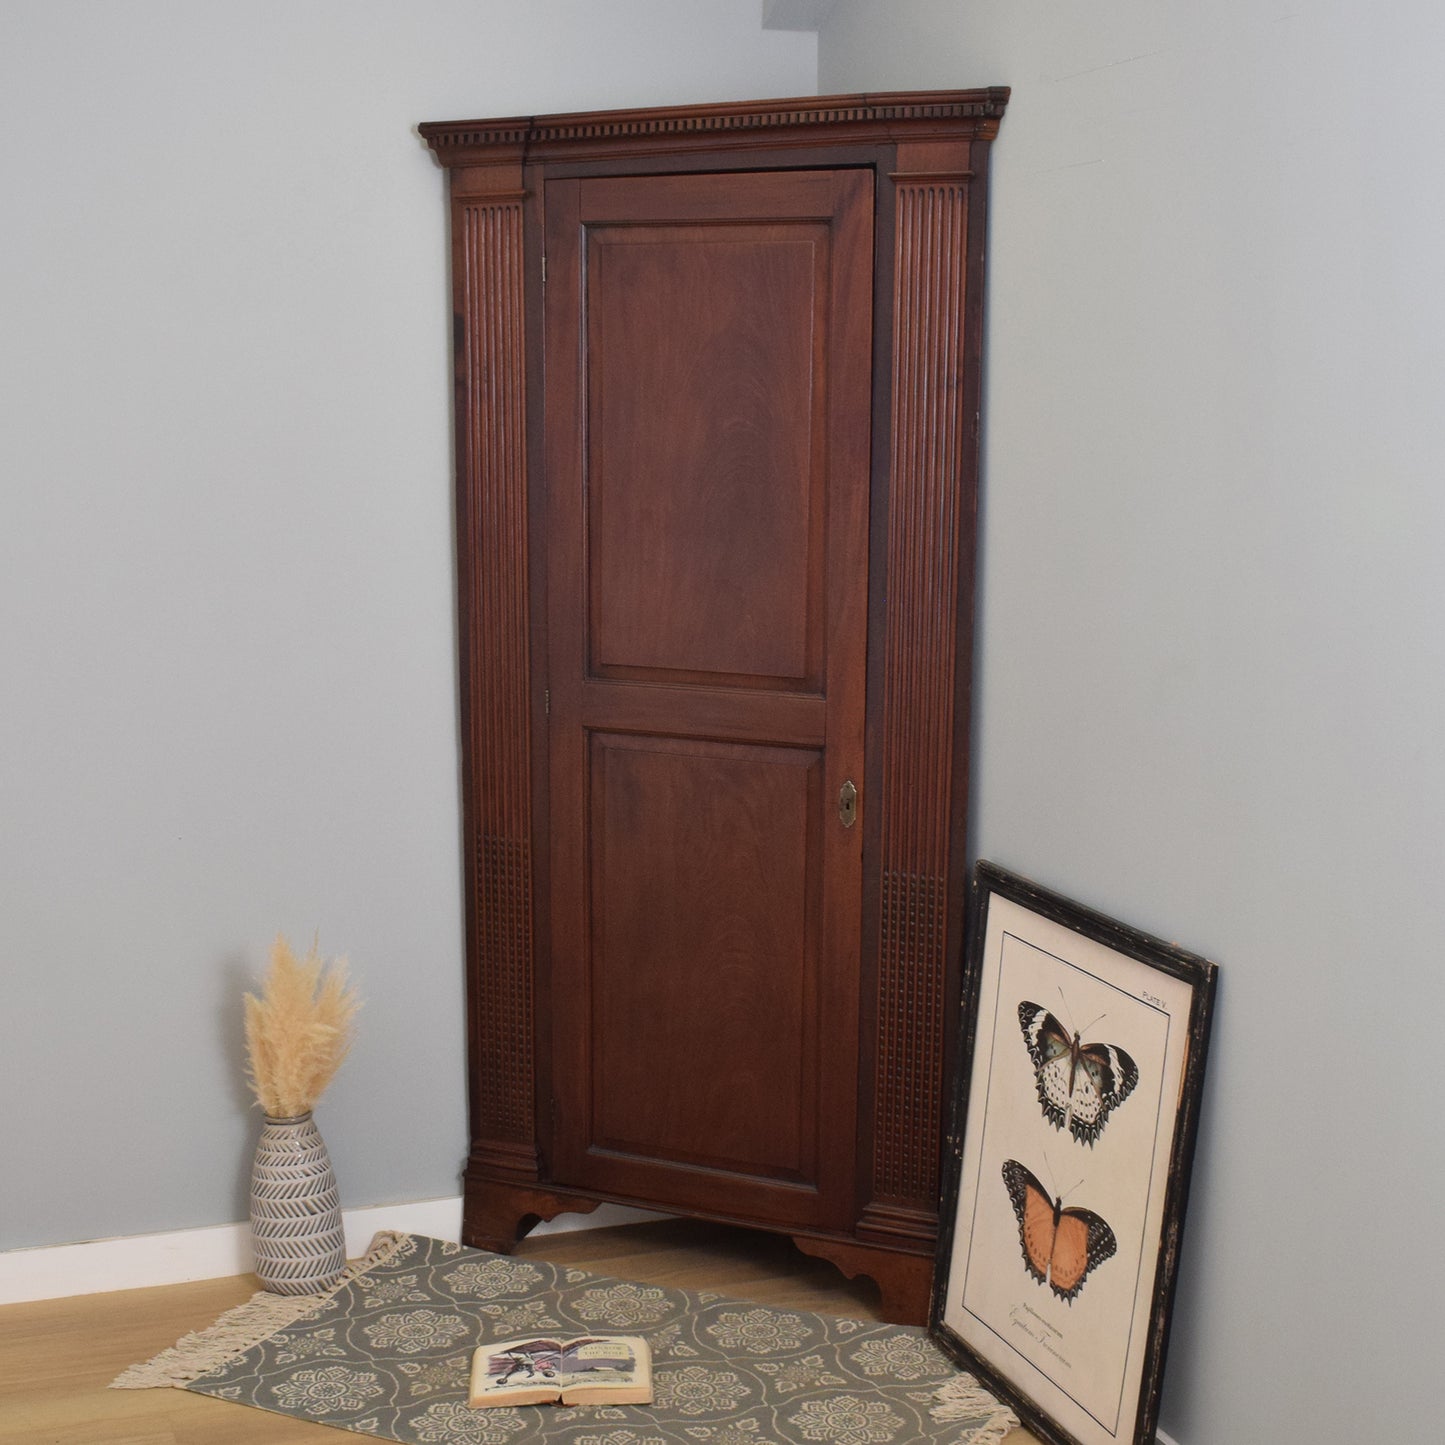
226, 636
1212, 672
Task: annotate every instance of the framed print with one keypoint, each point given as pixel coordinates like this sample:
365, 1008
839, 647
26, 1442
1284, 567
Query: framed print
1067, 1168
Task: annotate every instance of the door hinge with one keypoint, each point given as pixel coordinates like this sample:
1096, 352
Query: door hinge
547, 702
544, 270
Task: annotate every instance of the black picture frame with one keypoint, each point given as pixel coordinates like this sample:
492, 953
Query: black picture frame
1061, 1308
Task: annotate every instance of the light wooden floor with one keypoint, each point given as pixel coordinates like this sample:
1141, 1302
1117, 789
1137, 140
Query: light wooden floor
58, 1356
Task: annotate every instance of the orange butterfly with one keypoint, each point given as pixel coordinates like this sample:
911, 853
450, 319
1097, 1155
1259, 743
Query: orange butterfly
1060, 1245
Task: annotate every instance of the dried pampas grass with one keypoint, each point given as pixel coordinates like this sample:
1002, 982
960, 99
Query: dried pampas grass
298, 1031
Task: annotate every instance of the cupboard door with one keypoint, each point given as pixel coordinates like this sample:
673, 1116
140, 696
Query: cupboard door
707, 401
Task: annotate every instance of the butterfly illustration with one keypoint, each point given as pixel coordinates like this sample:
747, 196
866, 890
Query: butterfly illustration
1060, 1245
1080, 1085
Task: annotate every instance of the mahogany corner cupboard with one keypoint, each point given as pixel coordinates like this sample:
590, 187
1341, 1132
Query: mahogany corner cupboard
717, 390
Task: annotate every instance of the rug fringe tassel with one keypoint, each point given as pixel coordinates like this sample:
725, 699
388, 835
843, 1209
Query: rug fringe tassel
963, 1398
244, 1327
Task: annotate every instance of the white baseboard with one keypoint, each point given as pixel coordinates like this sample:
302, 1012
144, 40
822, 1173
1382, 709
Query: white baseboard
1162, 1439
603, 1217
140, 1260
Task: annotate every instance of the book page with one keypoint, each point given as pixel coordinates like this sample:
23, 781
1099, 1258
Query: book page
536, 1370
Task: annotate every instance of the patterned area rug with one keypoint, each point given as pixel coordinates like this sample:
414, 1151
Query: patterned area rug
387, 1352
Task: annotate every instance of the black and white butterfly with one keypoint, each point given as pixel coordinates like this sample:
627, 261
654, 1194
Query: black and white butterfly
1079, 1084
1060, 1246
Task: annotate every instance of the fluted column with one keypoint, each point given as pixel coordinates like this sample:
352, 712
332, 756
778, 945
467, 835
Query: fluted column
930, 538
492, 520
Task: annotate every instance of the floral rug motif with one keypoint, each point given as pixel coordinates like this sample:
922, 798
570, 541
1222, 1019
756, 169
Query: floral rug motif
388, 1355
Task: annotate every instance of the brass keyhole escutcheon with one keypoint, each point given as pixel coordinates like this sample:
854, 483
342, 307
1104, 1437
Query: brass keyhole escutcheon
848, 804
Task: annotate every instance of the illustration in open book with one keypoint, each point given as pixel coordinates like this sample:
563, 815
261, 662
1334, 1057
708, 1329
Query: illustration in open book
589, 1370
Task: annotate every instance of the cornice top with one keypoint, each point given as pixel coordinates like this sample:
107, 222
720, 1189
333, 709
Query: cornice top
808, 120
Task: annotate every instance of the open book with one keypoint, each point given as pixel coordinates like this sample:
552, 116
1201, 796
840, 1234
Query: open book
590, 1370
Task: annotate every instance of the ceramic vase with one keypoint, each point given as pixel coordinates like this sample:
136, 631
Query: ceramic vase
295, 1209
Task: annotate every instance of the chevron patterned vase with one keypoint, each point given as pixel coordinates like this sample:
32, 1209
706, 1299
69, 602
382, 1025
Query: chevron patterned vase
295, 1209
